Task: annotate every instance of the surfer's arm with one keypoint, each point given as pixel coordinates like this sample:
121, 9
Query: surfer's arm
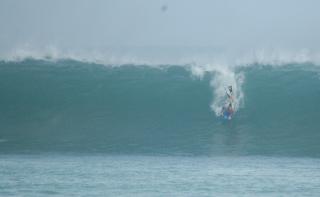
227, 93
229, 96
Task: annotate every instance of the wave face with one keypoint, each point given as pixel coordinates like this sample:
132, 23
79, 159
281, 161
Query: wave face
73, 106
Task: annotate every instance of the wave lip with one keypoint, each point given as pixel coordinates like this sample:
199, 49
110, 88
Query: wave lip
154, 56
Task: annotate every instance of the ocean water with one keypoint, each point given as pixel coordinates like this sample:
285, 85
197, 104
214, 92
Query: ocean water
101, 175
74, 128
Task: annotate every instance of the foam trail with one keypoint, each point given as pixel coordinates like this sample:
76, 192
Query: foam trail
222, 76
219, 82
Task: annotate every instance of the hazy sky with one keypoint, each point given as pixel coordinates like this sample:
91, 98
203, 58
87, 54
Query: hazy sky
113, 23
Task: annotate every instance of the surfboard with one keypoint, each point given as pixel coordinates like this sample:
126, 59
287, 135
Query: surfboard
226, 115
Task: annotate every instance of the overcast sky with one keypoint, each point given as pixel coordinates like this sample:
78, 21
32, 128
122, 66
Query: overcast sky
171, 23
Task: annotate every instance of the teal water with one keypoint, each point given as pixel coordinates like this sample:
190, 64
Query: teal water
70, 128
69, 106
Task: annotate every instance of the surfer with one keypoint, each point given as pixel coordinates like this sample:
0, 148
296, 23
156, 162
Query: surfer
230, 109
230, 98
230, 94
227, 110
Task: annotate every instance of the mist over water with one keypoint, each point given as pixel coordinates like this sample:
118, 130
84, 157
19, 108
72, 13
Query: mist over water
146, 32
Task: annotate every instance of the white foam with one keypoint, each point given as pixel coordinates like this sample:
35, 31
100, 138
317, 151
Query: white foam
165, 56
222, 77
